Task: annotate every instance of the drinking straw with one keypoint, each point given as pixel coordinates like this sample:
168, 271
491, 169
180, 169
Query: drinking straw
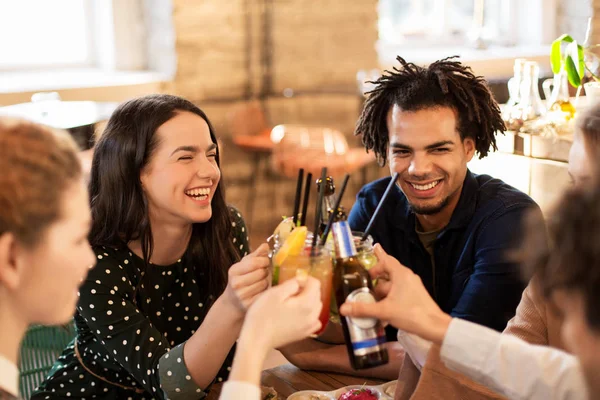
318, 210
298, 194
379, 206
335, 208
306, 197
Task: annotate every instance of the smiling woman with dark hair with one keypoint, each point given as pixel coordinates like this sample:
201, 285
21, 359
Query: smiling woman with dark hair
159, 314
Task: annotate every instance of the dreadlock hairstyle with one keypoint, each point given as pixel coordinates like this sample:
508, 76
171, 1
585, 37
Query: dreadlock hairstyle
445, 83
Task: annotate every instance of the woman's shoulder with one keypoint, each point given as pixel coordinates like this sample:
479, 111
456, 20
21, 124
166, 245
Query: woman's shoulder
112, 264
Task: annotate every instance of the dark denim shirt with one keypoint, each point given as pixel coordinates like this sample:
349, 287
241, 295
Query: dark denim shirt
474, 277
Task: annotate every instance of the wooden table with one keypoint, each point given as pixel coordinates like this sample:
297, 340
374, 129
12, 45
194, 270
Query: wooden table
287, 379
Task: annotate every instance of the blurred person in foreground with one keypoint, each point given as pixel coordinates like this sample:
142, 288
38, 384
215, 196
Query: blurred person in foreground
44, 223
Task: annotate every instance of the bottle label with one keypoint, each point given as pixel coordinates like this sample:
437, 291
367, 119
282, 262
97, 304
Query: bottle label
344, 241
366, 334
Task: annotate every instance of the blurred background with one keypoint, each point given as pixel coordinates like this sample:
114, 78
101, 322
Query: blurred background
252, 65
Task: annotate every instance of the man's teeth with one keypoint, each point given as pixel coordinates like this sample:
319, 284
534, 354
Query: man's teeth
425, 187
198, 192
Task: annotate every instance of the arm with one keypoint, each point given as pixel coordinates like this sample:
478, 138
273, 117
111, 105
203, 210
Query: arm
511, 366
493, 289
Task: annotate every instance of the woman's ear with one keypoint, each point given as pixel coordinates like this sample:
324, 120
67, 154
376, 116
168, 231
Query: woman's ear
10, 275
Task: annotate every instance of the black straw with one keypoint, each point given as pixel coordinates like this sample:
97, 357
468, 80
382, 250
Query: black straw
298, 195
318, 210
379, 206
338, 201
306, 197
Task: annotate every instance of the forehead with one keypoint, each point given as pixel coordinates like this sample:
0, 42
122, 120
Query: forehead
184, 129
422, 127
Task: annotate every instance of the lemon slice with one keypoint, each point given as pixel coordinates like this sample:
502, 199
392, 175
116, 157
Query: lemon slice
284, 229
292, 246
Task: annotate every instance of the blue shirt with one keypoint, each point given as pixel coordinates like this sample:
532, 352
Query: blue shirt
475, 278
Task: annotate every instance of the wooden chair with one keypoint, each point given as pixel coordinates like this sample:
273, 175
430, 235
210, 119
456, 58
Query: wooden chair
313, 147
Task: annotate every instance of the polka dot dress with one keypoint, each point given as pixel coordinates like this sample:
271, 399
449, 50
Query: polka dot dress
131, 322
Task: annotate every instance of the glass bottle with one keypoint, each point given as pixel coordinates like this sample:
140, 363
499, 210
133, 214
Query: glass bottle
364, 336
514, 83
531, 105
557, 98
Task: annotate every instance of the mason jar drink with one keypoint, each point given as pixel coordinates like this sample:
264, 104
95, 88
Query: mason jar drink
305, 262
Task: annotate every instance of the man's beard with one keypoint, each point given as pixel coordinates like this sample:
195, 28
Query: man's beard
430, 209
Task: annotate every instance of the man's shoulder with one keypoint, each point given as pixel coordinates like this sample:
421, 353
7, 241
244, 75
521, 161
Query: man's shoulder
504, 195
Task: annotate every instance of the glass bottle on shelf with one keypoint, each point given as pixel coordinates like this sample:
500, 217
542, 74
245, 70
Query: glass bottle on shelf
557, 98
514, 83
530, 106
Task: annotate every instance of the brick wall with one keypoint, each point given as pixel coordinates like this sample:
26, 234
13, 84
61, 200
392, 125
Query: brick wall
312, 47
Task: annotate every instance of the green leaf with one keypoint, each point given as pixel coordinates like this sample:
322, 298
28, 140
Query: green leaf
575, 51
556, 56
572, 73
581, 56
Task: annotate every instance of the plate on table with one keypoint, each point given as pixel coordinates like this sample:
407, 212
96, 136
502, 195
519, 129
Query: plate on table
379, 392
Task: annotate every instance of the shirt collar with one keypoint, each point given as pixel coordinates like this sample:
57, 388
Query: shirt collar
9, 376
463, 213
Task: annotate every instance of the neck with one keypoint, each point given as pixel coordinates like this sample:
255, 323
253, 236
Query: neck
439, 220
13, 329
170, 242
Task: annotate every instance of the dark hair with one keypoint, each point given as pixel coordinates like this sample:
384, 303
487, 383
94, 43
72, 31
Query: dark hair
119, 205
588, 123
37, 163
567, 255
444, 83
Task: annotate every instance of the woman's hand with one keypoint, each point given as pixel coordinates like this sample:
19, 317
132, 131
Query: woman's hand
284, 314
405, 303
247, 279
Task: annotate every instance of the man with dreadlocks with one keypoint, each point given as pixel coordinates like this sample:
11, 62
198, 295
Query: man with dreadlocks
451, 227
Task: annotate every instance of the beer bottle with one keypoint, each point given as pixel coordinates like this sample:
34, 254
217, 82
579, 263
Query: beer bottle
364, 336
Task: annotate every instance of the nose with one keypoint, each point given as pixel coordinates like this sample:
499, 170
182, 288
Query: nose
420, 165
208, 169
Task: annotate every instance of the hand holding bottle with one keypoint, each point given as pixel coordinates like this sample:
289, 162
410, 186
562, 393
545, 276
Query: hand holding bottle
406, 304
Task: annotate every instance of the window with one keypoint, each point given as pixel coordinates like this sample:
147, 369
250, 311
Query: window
447, 22
37, 34
486, 34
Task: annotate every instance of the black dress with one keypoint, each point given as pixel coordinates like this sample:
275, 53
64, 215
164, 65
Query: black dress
134, 340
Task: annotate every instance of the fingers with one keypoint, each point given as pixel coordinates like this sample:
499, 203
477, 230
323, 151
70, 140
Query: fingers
310, 290
261, 251
248, 264
368, 310
287, 288
382, 289
250, 292
237, 282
